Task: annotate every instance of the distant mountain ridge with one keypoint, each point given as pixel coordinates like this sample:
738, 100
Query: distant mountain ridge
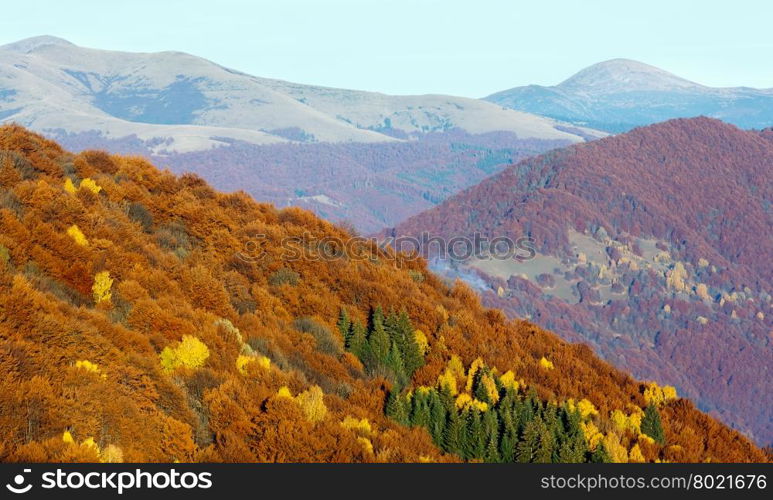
179, 102
621, 94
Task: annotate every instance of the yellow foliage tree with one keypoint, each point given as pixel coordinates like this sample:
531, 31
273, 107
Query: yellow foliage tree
241, 363
421, 341
463, 400
586, 408
623, 422
545, 363
101, 287
447, 379
491, 389
508, 380
69, 186
656, 395
675, 278
617, 452
264, 362
361, 426
89, 184
77, 235
366, 444
476, 365
313, 404
190, 353
284, 392
90, 367
478, 405
245, 359
646, 439
456, 367
635, 455
592, 434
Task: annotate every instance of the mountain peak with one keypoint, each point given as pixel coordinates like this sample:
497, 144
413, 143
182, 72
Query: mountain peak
617, 75
30, 44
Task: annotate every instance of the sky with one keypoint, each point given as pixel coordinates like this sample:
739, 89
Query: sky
468, 48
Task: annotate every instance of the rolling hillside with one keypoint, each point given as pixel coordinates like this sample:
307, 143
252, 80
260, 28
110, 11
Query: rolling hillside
653, 246
369, 159
176, 102
147, 317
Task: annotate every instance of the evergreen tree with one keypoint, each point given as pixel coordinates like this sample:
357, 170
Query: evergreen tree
509, 405
377, 318
453, 434
447, 399
651, 424
420, 414
412, 355
474, 443
527, 447
395, 408
507, 444
378, 340
357, 339
572, 447
392, 327
492, 450
529, 408
479, 389
571, 451
395, 362
491, 424
438, 417
536, 444
345, 326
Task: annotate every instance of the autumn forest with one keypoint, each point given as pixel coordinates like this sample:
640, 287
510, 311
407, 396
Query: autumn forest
133, 329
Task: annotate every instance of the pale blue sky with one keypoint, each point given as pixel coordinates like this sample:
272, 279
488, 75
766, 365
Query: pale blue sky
470, 48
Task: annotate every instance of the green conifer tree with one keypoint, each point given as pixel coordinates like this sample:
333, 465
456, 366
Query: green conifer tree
491, 424
479, 390
447, 399
345, 326
395, 408
507, 444
536, 444
492, 450
651, 424
357, 339
474, 443
395, 362
378, 339
438, 417
420, 414
453, 434
412, 355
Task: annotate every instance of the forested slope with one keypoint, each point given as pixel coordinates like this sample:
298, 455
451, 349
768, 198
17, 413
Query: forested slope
146, 317
654, 246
